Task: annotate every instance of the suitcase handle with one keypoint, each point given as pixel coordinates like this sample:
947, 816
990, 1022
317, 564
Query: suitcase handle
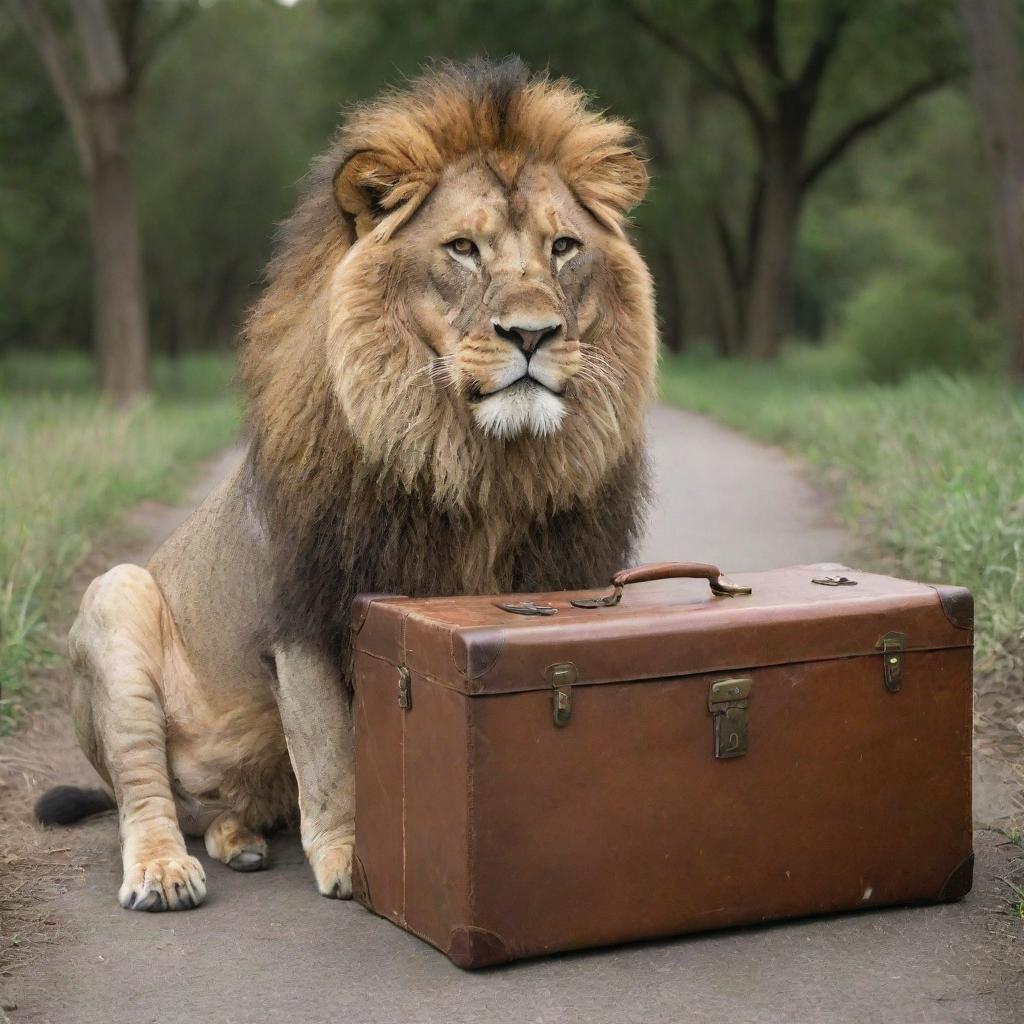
720, 586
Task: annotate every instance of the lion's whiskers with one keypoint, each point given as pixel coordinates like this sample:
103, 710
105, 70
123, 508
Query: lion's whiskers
594, 360
438, 373
596, 370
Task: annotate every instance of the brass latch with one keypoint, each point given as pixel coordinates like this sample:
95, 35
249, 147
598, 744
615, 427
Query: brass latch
727, 702
892, 646
404, 688
561, 677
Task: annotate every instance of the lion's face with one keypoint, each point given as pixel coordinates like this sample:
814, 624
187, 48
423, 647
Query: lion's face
458, 302
500, 293
495, 295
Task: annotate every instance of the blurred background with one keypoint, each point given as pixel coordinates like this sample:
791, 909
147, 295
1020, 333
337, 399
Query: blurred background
819, 167
835, 226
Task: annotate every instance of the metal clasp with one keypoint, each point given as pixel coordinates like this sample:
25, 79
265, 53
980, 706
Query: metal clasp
893, 645
404, 688
612, 598
835, 581
728, 700
561, 678
528, 608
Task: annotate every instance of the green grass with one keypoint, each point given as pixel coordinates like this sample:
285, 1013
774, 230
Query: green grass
1016, 900
196, 377
72, 463
930, 470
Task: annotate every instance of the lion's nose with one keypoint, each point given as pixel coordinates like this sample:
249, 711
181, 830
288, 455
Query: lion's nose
527, 338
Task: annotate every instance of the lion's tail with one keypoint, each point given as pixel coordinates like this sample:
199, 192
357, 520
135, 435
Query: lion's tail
64, 805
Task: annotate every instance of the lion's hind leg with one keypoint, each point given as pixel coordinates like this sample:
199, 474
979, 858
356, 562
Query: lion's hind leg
117, 650
230, 842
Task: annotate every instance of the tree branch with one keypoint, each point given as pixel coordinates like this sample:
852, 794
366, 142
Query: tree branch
766, 38
753, 233
741, 90
872, 119
726, 82
821, 51
47, 41
152, 41
128, 33
725, 239
101, 47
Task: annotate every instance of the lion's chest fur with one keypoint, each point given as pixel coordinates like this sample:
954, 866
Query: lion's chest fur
364, 536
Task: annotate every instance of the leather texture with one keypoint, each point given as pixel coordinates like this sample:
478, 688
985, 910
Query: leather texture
494, 835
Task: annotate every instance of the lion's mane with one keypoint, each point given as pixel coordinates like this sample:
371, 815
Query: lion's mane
366, 481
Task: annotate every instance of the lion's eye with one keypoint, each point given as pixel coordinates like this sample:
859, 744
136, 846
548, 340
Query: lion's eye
463, 247
564, 246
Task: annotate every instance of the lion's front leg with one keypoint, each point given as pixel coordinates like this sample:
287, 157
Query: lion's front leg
317, 719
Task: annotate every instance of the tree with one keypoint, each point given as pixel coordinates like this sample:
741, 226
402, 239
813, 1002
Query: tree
998, 88
98, 109
744, 58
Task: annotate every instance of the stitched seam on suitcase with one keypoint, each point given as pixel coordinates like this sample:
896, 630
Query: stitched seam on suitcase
969, 731
401, 649
470, 814
683, 674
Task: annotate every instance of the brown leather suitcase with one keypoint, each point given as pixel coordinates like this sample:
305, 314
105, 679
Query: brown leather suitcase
554, 771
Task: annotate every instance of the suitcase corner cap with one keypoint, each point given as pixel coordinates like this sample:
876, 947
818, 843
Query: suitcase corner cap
470, 947
474, 651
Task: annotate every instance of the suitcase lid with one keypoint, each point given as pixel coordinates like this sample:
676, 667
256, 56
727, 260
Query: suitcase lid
668, 628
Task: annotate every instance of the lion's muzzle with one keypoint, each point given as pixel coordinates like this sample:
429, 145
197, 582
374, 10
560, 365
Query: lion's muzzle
528, 336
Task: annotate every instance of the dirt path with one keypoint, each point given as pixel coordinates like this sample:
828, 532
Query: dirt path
267, 948
37, 864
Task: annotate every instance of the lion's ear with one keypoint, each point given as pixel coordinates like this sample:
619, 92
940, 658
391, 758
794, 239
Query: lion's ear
611, 184
361, 187
371, 186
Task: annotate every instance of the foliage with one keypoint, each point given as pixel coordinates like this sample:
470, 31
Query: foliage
44, 251
234, 104
930, 468
71, 465
227, 119
804, 82
898, 323
213, 183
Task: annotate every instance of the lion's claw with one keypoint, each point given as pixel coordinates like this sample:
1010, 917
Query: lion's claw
168, 883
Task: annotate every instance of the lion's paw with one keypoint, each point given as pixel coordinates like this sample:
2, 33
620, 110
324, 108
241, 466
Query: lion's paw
230, 842
332, 867
165, 883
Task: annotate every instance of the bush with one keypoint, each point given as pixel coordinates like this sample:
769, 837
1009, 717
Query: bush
899, 324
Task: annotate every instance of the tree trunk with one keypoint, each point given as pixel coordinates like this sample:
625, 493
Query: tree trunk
767, 309
726, 296
119, 304
998, 86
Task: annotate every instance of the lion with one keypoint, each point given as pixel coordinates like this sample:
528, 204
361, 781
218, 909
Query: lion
447, 379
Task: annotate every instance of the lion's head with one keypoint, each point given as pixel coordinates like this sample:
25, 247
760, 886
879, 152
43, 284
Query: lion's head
460, 257
457, 319
494, 203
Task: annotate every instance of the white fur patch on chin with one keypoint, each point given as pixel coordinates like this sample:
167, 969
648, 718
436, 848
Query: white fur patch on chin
518, 410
